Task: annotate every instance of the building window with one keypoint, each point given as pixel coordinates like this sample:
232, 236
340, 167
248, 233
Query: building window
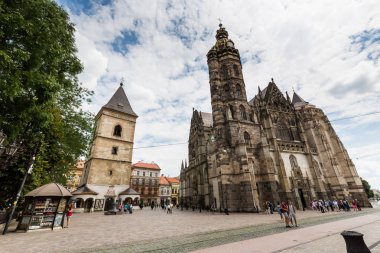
110, 172
114, 150
238, 90
236, 70
247, 138
138, 173
143, 173
243, 115
156, 174
150, 174
117, 131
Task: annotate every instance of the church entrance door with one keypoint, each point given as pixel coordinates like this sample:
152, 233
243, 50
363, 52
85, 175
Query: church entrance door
303, 201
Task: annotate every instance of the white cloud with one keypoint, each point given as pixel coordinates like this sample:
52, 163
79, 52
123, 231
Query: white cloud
302, 44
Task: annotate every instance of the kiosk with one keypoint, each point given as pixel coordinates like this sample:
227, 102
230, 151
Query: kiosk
45, 208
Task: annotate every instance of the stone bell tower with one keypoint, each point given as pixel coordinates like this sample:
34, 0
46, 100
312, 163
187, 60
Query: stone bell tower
236, 132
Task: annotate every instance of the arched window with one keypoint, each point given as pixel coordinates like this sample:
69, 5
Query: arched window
238, 90
293, 162
224, 71
247, 137
243, 115
117, 130
236, 70
230, 112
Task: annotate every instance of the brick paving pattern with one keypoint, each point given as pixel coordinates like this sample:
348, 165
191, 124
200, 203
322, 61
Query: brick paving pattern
156, 231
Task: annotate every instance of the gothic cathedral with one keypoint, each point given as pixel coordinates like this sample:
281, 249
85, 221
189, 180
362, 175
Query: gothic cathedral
271, 148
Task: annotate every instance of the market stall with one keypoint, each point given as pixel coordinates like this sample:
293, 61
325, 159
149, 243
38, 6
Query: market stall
45, 208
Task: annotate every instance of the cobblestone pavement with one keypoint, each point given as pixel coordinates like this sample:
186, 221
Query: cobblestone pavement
156, 231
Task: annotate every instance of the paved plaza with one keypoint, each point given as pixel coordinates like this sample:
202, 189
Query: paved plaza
182, 231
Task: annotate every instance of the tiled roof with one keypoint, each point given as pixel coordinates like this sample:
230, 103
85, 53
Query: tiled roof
146, 166
119, 102
129, 191
172, 179
163, 181
84, 190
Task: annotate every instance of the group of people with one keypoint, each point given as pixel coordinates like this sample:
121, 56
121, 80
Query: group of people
287, 212
127, 208
335, 205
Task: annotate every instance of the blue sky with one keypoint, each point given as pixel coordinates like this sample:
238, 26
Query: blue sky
327, 51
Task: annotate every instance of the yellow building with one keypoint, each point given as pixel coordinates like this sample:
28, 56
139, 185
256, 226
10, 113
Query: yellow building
75, 175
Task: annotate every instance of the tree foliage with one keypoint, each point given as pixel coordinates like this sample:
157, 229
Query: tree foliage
367, 188
40, 97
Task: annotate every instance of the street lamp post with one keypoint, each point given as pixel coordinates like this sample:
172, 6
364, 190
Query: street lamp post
29, 171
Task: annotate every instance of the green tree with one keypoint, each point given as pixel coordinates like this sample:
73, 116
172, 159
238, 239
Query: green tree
40, 97
367, 188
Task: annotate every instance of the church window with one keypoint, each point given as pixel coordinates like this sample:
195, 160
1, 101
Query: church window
110, 172
238, 90
117, 130
295, 134
225, 72
283, 131
236, 70
114, 150
243, 115
293, 161
247, 137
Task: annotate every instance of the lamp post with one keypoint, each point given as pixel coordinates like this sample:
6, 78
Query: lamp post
29, 171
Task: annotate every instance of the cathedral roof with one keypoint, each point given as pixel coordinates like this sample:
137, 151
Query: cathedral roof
207, 119
298, 101
119, 102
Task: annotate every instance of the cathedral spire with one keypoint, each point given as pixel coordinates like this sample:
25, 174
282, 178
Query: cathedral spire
221, 33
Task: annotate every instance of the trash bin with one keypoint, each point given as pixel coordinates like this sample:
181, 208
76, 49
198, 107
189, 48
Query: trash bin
354, 242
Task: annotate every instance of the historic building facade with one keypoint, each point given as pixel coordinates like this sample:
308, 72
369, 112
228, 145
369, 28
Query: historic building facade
145, 180
271, 148
75, 175
107, 172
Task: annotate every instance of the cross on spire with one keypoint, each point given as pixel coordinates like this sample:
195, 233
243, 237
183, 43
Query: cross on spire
220, 22
122, 81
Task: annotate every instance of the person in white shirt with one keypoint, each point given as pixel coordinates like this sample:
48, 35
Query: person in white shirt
292, 214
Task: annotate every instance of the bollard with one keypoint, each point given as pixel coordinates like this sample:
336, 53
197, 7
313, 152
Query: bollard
354, 242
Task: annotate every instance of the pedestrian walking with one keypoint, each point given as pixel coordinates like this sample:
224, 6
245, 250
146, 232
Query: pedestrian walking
292, 214
279, 210
284, 211
126, 207
69, 214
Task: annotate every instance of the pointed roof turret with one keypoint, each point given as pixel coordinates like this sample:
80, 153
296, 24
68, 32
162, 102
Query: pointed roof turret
182, 165
119, 102
297, 100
